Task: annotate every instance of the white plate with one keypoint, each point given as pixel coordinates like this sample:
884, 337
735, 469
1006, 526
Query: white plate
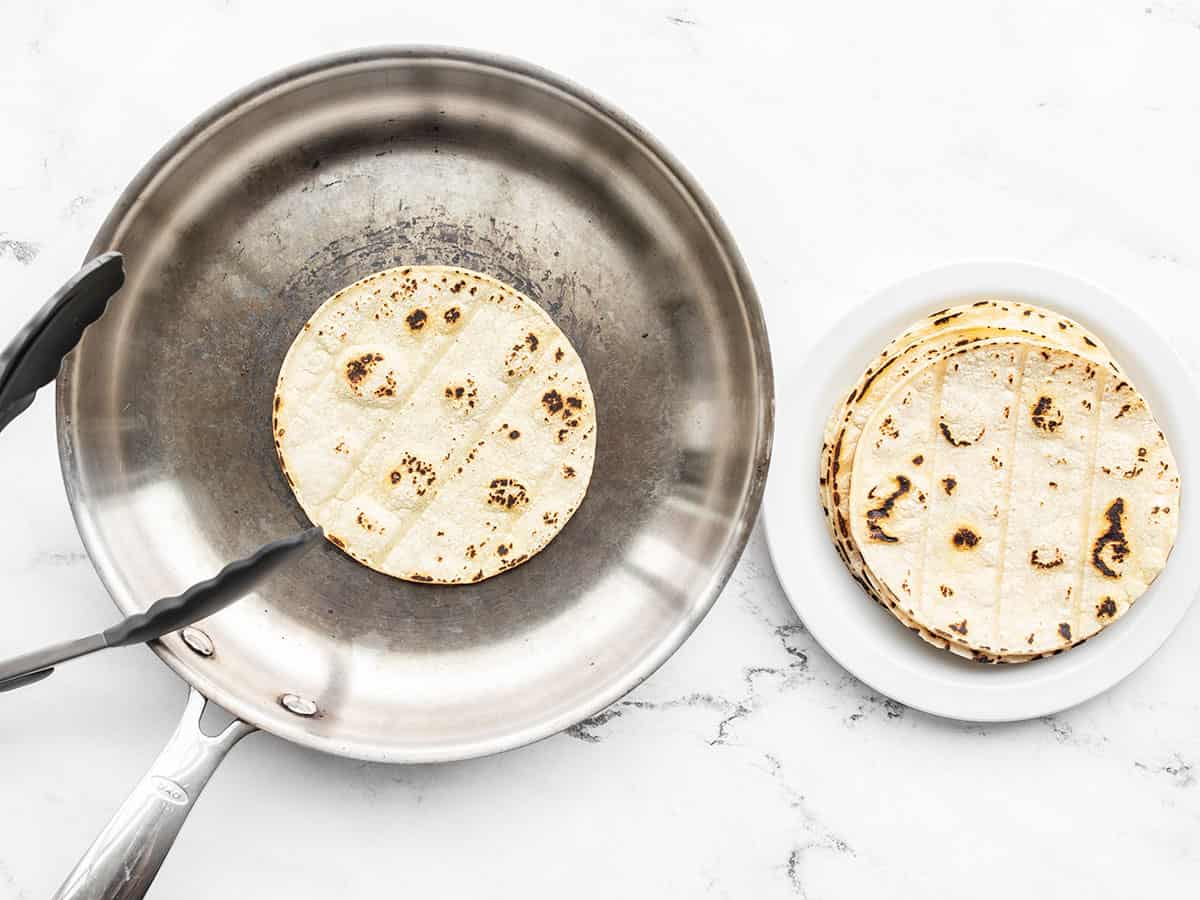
865, 638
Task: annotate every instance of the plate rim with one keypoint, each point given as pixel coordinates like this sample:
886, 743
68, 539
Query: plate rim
886, 311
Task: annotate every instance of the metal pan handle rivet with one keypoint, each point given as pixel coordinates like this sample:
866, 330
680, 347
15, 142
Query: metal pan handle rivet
301, 706
198, 641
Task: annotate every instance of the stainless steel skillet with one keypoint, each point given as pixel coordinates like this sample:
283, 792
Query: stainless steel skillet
232, 235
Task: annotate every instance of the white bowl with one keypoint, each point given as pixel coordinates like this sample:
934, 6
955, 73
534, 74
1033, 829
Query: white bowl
865, 638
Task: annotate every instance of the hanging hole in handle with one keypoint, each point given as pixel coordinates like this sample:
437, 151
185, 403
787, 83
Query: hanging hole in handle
214, 720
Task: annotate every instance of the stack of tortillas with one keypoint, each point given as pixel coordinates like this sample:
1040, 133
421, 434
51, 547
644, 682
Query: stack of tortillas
436, 422
997, 483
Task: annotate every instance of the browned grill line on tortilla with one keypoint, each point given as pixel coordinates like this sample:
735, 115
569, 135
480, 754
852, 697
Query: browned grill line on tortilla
420, 510
417, 381
939, 382
1007, 495
1089, 497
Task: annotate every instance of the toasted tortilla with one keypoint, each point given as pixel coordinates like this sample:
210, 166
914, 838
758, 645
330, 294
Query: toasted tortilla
436, 422
1013, 498
926, 340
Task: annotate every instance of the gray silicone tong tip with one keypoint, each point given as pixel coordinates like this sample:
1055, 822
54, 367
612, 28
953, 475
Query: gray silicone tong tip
32, 359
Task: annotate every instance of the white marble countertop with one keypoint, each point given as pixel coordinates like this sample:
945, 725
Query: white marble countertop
846, 144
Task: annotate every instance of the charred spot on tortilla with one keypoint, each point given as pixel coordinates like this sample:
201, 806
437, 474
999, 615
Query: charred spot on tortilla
837, 454
959, 627
359, 368
1064, 631
388, 388
960, 442
1046, 558
1111, 548
949, 484
507, 493
553, 401
965, 538
416, 319
1106, 608
884, 510
1045, 415
871, 379
944, 319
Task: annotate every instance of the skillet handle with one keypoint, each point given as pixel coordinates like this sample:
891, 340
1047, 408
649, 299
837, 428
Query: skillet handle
124, 859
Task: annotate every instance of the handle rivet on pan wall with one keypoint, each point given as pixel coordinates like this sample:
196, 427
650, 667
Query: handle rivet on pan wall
198, 641
301, 706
